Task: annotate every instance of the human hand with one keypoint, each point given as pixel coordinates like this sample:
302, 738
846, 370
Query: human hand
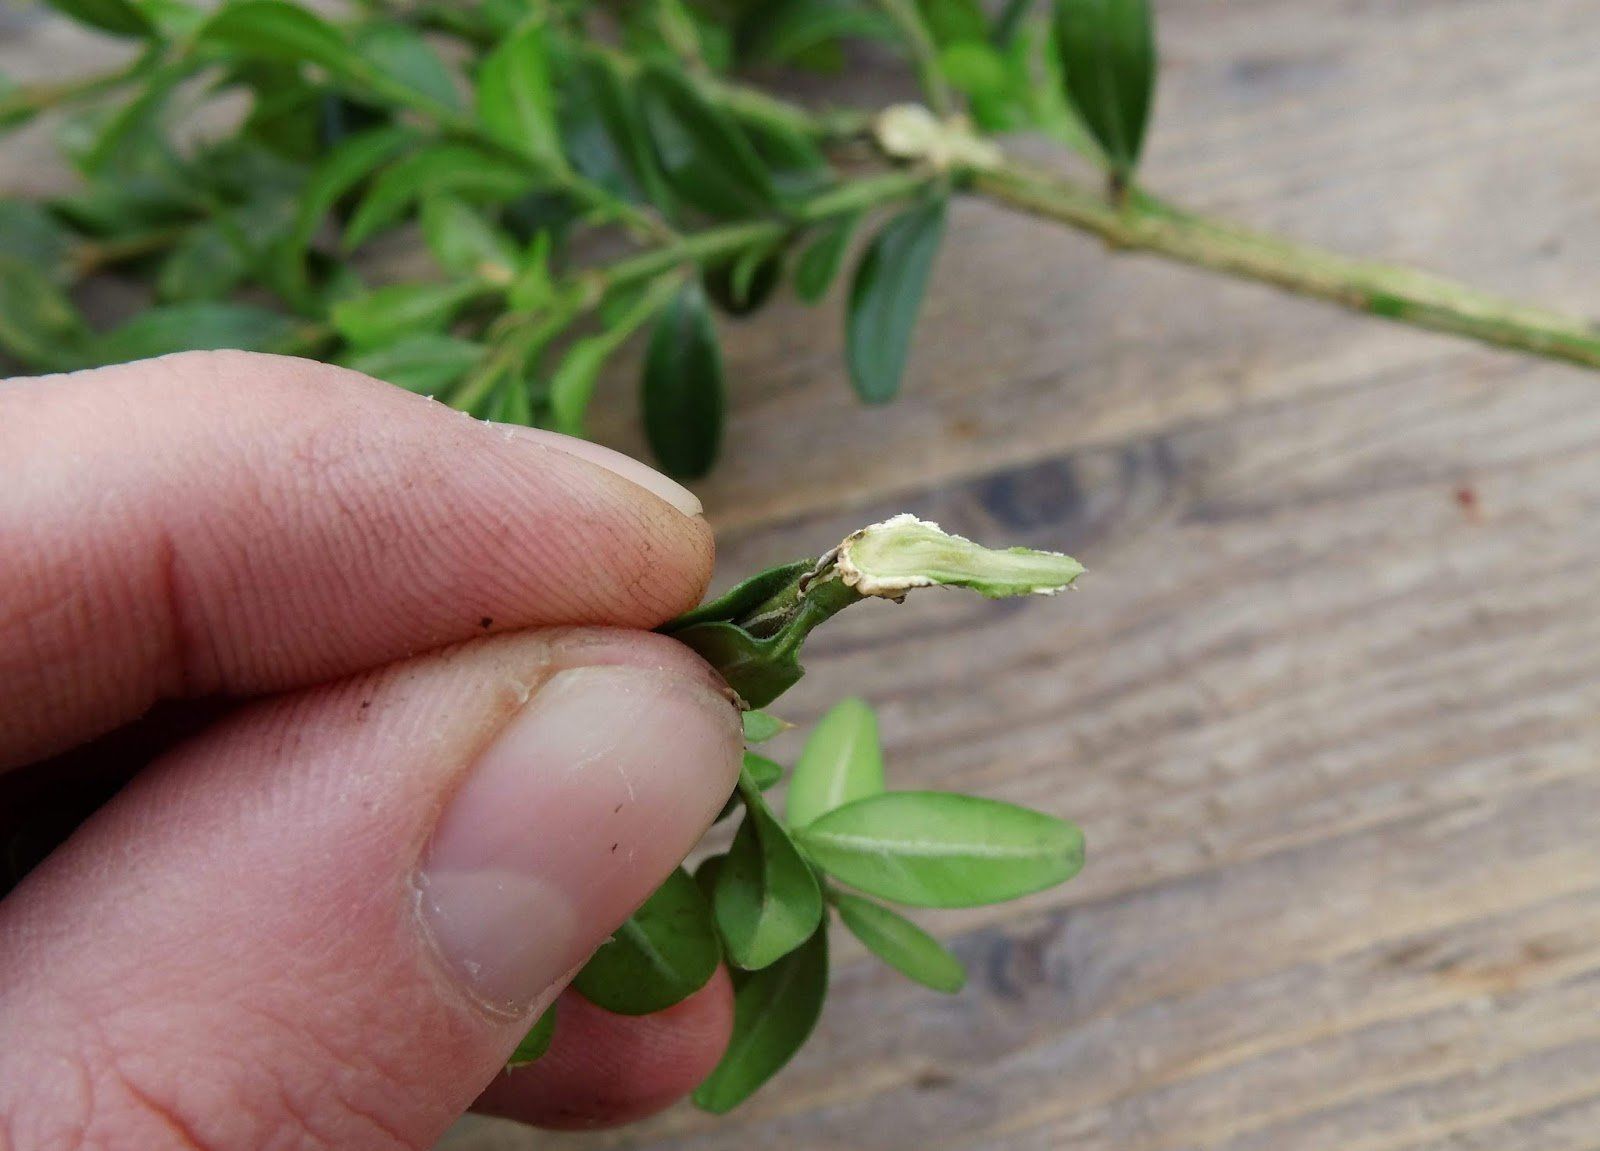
435, 787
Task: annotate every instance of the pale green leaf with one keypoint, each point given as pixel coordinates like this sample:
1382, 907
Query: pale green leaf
842, 762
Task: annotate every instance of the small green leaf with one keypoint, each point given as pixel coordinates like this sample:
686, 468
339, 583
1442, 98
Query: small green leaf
820, 262
774, 1013
842, 762
118, 17
764, 773
664, 953
31, 235
767, 901
579, 371
741, 285
516, 100
206, 264
760, 726
1106, 51
466, 244
743, 598
785, 31
397, 310
705, 876
461, 169
759, 670
607, 129
534, 287
425, 364
900, 943
574, 382
350, 162
198, 326
886, 296
277, 30
404, 66
39, 325
932, 849
683, 386
537, 1041
175, 18
706, 160
513, 403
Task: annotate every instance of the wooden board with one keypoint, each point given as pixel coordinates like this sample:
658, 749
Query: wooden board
1328, 704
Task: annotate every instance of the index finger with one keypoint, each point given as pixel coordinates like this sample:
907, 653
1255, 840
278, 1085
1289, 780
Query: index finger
233, 523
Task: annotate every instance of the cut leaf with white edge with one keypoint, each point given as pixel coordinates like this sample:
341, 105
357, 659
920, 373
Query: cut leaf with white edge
767, 901
934, 849
900, 943
842, 762
890, 558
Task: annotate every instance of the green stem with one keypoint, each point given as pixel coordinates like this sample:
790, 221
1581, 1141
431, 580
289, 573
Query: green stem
924, 53
96, 255
1144, 223
855, 196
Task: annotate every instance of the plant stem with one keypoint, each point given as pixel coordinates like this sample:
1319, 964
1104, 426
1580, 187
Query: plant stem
1144, 223
856, 196
924, 53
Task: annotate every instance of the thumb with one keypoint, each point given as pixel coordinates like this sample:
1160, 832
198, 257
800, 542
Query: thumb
328, 921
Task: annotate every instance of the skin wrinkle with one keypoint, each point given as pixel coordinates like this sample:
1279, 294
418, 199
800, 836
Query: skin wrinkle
483, 527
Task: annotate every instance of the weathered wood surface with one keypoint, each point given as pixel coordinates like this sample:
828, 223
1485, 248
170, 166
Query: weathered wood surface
1328, 704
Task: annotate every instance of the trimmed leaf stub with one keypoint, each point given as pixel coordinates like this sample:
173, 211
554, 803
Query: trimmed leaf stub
891, 558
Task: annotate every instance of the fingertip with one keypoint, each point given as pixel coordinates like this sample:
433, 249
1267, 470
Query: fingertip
605, 1070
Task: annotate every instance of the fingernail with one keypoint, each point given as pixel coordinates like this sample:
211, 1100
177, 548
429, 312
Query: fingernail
625, 466
592, 793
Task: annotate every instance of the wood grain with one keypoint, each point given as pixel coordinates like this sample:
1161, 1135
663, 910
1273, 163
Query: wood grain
1328, 703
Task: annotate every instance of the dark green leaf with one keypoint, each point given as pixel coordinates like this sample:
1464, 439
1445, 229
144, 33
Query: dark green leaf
404, 66
744, 597
206, 264
886, 296
763, 772
760, 670
278, 30
760, 726
465, 243
933, 849
1106, 50
774, 1012
198, 326
664, 953
347, 165
842, 762
38, 323
767, 901
606, 136
822, 258
787, 30
741, 285
683, 386
705, 876
460, 169
29, 234
900, 943
795, 165
397, 310
119, 17
424, 364
537, 1041
516, 100
707, 161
